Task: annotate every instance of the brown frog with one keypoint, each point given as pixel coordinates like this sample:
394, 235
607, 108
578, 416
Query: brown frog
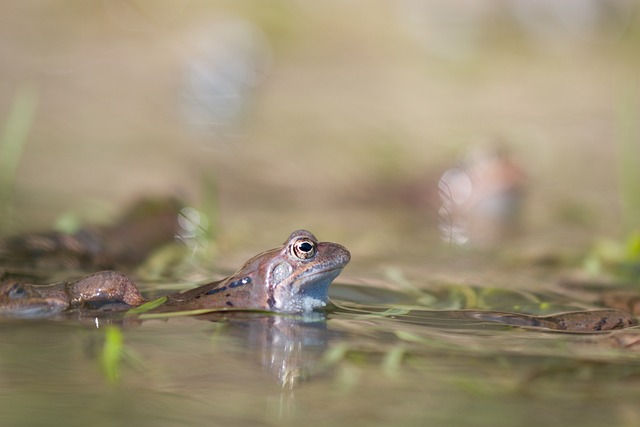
18, 299
292, 278
147, 224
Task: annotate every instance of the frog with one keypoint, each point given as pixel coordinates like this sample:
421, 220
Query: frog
291, 278
102, 289
145, 225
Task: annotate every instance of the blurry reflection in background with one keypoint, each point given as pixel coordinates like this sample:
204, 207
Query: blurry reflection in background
456, 29
481, 198
224, 64
193, 229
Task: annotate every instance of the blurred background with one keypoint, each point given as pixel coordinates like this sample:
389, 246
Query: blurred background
442, 141
384, 125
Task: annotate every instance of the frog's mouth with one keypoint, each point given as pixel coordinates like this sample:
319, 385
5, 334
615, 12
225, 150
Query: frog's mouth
325, 277
311, 294
34, 308
308, 288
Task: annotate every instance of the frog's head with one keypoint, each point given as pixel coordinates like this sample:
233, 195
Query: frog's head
24, 300
295, 277
299, 279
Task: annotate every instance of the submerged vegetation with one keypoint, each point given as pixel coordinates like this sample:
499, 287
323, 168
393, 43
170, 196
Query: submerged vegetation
112, 352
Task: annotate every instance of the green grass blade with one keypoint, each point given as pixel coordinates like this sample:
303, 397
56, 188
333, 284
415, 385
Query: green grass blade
12, 142
147, 306
112, 353
628, 143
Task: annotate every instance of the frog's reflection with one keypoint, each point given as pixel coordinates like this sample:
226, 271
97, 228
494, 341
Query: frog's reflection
289, 348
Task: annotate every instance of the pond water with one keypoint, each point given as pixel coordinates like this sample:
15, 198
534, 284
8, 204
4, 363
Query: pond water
379, 356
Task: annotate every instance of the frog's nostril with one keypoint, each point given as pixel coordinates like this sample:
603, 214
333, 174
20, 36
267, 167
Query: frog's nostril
344, 254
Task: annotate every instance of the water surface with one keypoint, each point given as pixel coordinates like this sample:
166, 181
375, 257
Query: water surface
377, 357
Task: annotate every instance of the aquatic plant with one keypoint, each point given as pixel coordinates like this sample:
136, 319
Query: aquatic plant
627, 139
622, 256
112, 353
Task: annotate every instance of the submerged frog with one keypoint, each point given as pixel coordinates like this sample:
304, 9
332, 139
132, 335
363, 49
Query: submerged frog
109, 288
144, 226
293, 278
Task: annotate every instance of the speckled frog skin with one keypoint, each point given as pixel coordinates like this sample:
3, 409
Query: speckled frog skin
292, 278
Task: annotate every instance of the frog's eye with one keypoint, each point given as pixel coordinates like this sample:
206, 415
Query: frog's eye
17, 291
304, 248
